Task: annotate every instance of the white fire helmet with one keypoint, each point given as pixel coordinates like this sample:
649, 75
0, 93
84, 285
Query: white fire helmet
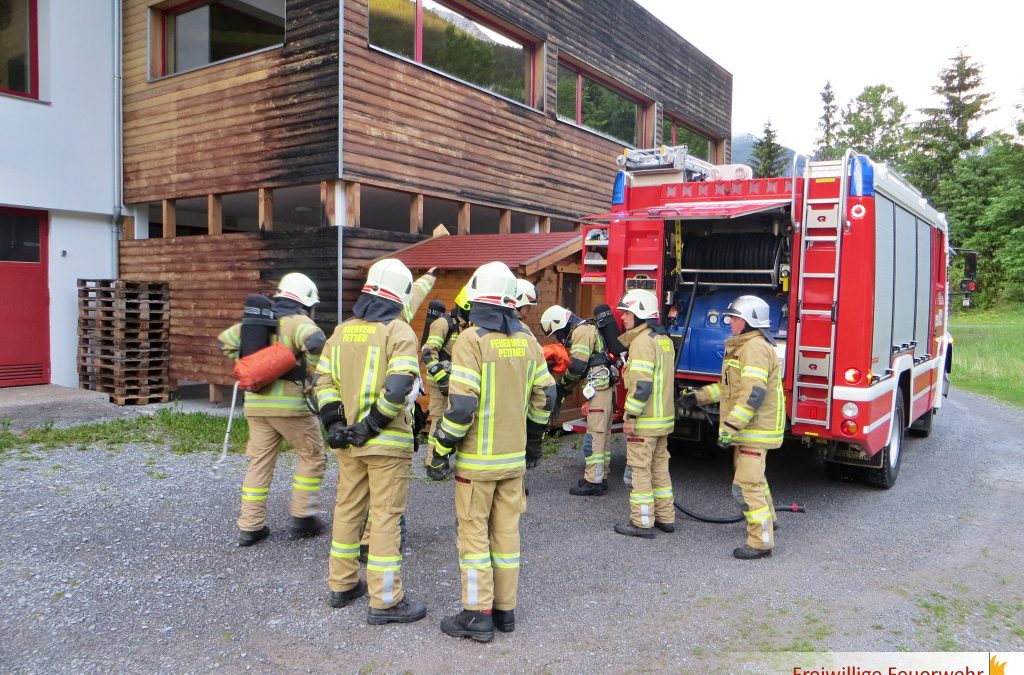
492, 284
751, 309
641, 303
389, 279
526, 293
298, 287
554, 318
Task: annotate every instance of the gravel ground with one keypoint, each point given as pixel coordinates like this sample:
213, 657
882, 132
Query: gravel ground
126, 561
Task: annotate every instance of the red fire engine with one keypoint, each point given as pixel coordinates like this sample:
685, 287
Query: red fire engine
850, 258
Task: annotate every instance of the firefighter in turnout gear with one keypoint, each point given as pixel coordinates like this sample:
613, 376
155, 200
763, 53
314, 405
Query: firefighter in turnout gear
752, 415
526, 297
500, 398
590, 363
279, 412
366, 374
437, 359
648, 415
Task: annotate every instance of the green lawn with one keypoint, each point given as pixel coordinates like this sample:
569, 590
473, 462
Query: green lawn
988, 353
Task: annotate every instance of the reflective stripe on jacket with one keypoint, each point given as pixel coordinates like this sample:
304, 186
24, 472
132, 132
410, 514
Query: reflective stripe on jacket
649, 381
752, 404
357, 359
502, 380
281, 398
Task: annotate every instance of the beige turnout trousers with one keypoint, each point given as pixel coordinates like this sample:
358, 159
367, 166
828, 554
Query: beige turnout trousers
488, 512
599, 424
380, 483
265, 436
750, 489
650, 497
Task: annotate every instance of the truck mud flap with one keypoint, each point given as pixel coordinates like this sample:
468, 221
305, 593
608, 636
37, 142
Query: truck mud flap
841, 453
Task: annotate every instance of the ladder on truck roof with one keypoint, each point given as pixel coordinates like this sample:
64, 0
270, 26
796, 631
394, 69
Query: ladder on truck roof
818, 293
664, 158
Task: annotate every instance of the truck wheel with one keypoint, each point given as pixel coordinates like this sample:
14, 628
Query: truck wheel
892, 453
922, 427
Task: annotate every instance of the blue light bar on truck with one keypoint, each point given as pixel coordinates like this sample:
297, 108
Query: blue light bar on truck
862, 183
619, 189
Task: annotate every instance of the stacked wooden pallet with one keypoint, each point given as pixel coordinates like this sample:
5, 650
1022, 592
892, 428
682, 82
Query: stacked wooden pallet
123, 340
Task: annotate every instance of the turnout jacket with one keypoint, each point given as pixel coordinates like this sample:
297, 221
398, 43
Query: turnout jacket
367, 362
282, 397
440, 340
586, 349
649, 378
498, 382
751, 401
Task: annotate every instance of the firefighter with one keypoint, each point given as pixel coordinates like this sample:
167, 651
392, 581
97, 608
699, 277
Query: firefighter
279, 412
752, 416
526, 297
437, 359
648, 415
367, 372
589, 358
500, 398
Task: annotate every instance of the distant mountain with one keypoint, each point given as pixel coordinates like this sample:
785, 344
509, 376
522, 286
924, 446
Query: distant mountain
743, 145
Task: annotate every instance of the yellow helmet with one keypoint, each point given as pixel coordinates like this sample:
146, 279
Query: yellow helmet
462, 299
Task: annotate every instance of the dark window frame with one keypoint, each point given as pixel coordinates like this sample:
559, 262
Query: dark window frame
42, 219
642, 132
159, 43
677, 124
529, 43
32, 55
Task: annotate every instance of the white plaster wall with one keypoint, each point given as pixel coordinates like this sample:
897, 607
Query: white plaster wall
81, 246
59, 151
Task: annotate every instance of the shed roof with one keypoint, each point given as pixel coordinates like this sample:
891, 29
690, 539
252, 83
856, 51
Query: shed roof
525, 253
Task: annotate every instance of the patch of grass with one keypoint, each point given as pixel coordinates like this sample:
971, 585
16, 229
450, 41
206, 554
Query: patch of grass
987, 354
184, 433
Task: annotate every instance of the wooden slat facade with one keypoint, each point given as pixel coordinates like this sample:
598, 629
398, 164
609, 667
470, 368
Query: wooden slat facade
209, 277
269, 119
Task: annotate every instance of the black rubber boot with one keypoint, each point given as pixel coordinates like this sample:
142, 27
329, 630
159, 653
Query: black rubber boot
250, 537
504, 619
469, 623
747, 553
340, 599
586, 489
406, 611
306, 527
665, 527
631, 530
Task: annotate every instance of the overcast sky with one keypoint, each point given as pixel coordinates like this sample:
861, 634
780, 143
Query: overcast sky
780, 64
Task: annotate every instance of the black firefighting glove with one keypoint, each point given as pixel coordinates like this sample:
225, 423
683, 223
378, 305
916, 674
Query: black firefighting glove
561, 392
685, 403
331, 413
439, 467
534, 450
439, 374
337, 435
368, 427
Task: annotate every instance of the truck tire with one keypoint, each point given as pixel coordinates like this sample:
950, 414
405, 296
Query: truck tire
892, 453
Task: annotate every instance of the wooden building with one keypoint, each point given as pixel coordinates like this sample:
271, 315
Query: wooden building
243, 118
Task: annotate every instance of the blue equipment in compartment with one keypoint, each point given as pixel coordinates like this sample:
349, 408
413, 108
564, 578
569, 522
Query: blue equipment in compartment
704, 348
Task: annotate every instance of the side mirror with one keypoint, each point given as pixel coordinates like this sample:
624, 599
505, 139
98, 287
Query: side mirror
970, 265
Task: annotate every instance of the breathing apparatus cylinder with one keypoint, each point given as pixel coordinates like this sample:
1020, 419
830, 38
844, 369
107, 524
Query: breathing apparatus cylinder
258, 324
609, 329
435, 310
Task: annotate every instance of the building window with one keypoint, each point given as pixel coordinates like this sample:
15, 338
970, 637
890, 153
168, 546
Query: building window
456, 41
196, 34
19, 236
19, 71
697, 145
585, 101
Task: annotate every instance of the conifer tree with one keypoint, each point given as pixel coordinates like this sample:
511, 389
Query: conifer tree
829, 125
767, 157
